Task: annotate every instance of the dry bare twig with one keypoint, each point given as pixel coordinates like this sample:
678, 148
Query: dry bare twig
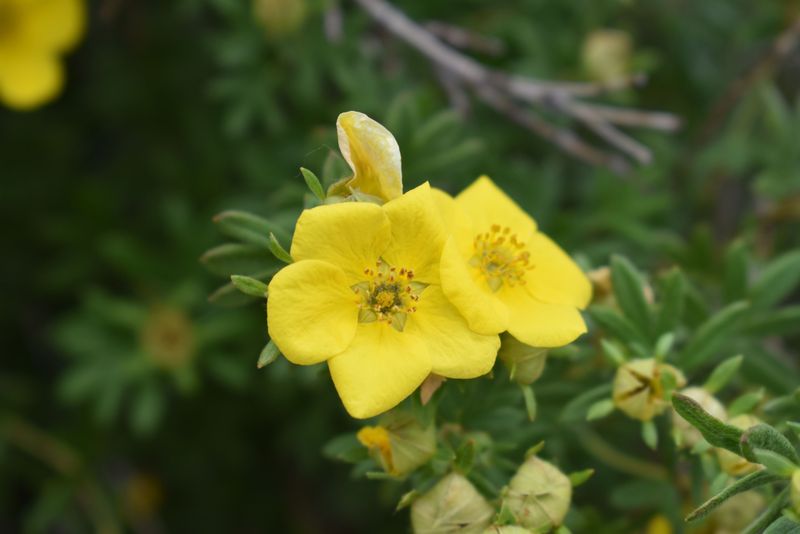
512, 95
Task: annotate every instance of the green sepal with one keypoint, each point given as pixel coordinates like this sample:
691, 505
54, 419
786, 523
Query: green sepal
277, 249
268, 355
713, 430
764, 436
579, 477
313, 183
249, 286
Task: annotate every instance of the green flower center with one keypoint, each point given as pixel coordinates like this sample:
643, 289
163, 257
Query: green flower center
501, 257
388, 295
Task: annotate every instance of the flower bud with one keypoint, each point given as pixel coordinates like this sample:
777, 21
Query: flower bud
638, 390
525, 363
733, 516
607, 54
400, 444
538, 495
453, 505
731, 463
507, 529
280, 17
795, 491
689, 436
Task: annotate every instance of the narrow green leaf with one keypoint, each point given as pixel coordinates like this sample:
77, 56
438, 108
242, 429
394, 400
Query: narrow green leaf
735, 278
575, 410
407, 499
613, 352
664, 345
746, 483
712, 334
777, 280
783, 525
670, 308
722, 374
628, 289
745, 403
617, 325
345, 448
774, 323
794, 426
600, 409
650, 434
579, 477
245, 227
775, 463
764, 436
465, 457
249, 286
313, 183
713, 430
770, 514
237, 258
530, 402
277, 249
229, 296
268, 355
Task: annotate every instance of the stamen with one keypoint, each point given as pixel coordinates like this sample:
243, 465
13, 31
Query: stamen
388, 295
501, 257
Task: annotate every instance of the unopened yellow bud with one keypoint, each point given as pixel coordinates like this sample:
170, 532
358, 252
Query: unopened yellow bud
452, 506
538, 495
689, 436
607, 54
400, 444
733, 516
638, 390
280, 17
525, 363
734, 464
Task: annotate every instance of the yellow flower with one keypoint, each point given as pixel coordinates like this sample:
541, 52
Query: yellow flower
373, 154
399, 444
33, 36
731, 463
638, 390
364, 294
502, 274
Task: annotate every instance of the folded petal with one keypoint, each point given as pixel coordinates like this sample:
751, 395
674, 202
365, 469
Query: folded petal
540, 324
455, 350
29, 78
487, 205
53, 25
468, 291
372, 153
418, 234
312, 313
379, 369
350, 235
555, 277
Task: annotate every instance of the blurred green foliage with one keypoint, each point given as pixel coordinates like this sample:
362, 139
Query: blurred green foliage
129, 402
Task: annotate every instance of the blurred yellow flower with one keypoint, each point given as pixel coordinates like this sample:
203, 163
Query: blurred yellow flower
638, 390
34, 34
503, 274
364, 294
373, 154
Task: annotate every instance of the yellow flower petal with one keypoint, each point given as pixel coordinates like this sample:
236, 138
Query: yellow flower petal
455, 220
311, 311
418, 234
455, 350
484, 312
29, 79
541, 324
53, 25
486, 205
379, 369
555, 278
350, 235
372, 153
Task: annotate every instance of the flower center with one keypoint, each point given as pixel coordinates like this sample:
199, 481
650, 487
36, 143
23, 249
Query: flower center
389, 295
501, 257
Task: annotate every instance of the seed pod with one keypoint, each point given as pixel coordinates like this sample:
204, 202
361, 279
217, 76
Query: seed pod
525, 363
689, 435
638, 390
453, 505
399, 444
538, 495
734, 464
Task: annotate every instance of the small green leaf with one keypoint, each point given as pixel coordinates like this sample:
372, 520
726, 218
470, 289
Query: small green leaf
712, 334
313, 183
700, 447
613, 352
735, 278
770, 514
774, 323
530, 402
465, 457
237, 258
245, 227
764, 436
722, 374
249, 286
345, 448
535, 449
746, 483
794, 426
784, 525
600, 409
775, 463
617, 325
670, 308
745, 403
664, 345
629, 291
407, 499
713, 430
575, 410
579, 477
277, 249
650, 434
268, 355
777, 280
